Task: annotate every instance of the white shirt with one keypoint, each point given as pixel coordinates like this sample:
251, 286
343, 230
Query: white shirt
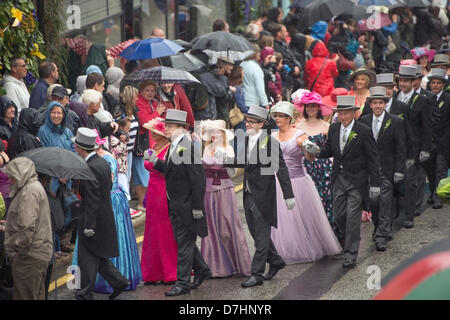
389, 105
438, 96
252, 140
174, 144
347, 131
405, 97
89, 155
376, 126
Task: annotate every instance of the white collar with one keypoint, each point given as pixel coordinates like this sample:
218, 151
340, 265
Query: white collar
439, 94
256, 136
177, 141
409, 94
90, 155
381, 117
349, 127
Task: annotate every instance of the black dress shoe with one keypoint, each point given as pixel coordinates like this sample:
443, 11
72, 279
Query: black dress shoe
417, 213
273, 270
178, 290
119, 290
381, 246
199, 278
252, 281
430, 200
349, 263
437, 204
408, 224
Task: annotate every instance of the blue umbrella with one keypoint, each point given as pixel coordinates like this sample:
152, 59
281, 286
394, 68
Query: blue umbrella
150, 49
386, 3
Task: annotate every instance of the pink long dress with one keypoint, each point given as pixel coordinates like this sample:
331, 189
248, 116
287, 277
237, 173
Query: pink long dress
159, 249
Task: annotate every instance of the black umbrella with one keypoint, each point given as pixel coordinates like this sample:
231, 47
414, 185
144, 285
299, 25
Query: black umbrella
221, 41
417, 3
59, 163
186, 61
159, 75
325, 9
300, 3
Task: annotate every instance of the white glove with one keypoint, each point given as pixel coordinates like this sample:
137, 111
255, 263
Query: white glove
197, 214
398, 177
409, 163
89, 233
220, 154
310, 147
231, 172
152, 158
374, 192
424, 156
290, 203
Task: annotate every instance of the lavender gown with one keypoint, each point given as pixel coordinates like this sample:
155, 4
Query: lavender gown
303, 234
225, 248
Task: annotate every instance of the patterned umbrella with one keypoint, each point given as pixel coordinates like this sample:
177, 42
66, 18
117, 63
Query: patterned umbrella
150, 49
235, 55
160, 75
426, 275
116, 50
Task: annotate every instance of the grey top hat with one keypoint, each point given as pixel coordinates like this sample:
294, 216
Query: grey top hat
378, 92
419, 71
385, 79
437, 73
440, 59
408, 72
85, 139
176, 117
346, 103
258, 113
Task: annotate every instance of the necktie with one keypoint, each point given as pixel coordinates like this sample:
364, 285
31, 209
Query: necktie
375, 129
344, 140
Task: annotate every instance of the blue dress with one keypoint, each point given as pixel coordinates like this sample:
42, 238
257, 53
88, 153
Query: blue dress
320, 172
128, 262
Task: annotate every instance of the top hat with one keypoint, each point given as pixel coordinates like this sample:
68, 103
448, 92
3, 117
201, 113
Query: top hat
258, 113
419, 73
407, 72
178, 117
437, 73
86, 139
385, 79
208, 125
378, 92
346, 103
156, 125
440, 60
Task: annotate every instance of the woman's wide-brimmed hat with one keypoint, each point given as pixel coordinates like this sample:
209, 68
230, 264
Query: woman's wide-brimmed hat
284, 107
86, 139
157, 126
297, 95
207, 125
377, 92
441, 59
367, 72
178, 117
314, 98
331, 99
257, 113
422, 51
346, 103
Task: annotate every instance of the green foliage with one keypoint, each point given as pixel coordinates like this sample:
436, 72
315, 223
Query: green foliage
19, 41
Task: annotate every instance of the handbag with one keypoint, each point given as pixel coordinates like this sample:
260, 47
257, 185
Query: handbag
236, 116
391, 47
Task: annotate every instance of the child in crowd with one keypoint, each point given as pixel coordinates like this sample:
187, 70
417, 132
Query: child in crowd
120, 152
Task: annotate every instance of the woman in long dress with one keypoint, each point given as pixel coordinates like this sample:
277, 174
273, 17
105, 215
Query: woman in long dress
159, 249
303, 235
225, 248
127, 263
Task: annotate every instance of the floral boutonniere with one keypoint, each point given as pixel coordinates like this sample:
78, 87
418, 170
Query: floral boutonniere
441, 104
263, 144
401, 116
351, 136
388, 123
181, 149
414, 101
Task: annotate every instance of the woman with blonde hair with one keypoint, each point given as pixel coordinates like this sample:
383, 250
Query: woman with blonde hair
361, 80
225, 249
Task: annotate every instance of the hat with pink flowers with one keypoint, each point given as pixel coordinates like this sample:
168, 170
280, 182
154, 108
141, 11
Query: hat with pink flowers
313, 98
422, 51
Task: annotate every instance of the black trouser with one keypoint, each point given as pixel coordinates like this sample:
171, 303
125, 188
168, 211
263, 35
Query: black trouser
382, 211
260, 229
188, 255
90, 265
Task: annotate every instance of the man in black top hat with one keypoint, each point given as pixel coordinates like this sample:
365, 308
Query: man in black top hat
185, 184
355, 168
97, 236
390, 140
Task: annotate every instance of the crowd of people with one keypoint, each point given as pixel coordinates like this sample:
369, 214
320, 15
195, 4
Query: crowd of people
360, 119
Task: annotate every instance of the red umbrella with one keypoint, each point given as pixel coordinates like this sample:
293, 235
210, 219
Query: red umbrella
116, 50
374, 22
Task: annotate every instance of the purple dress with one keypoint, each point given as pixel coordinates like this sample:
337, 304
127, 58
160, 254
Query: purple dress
225, 248
303, 234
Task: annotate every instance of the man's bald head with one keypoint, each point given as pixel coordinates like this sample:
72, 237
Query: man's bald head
158, 33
